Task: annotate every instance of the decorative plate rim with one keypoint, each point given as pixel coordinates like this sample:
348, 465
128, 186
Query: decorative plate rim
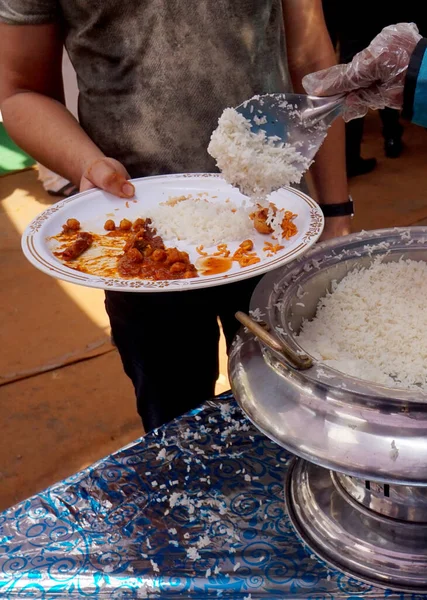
64, 273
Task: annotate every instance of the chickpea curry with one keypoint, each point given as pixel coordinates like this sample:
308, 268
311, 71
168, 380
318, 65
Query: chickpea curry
135, 250
146, 256
143, 254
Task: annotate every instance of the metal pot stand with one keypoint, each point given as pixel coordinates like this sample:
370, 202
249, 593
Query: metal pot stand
378, 549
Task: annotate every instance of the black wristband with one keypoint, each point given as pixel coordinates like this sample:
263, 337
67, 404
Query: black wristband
344, 209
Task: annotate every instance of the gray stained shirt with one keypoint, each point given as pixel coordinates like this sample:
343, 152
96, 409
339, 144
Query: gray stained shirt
155, 75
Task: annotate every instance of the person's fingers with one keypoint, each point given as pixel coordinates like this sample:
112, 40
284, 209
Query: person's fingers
85, 185
354, 109
342, 79
108, 175
376, 97
327, 82
359, 102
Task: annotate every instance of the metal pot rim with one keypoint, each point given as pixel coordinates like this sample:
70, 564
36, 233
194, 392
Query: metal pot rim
281, 286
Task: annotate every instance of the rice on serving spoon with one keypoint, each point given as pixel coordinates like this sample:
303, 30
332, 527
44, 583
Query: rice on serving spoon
254, 162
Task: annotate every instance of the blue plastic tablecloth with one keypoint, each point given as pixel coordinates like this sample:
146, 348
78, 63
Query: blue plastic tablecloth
192, 510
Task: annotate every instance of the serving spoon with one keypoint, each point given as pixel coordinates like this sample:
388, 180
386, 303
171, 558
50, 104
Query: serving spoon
295, 119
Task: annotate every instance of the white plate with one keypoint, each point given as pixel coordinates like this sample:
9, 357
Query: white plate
92, 207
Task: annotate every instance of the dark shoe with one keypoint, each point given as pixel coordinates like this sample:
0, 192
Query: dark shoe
68, 190
361, 166
393, 147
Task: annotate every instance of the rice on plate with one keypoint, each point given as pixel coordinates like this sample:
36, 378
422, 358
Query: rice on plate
200, 222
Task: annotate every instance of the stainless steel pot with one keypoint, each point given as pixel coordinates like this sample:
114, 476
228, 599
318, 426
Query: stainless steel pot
366, 512
330, 419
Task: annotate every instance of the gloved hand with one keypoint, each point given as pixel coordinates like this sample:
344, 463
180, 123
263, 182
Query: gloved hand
376, 76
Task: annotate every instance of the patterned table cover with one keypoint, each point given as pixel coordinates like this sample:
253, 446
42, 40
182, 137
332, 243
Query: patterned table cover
192, 510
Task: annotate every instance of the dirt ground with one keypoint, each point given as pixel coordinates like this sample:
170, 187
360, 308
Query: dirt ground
64, 399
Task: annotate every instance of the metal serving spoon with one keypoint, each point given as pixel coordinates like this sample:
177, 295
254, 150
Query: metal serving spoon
296, 119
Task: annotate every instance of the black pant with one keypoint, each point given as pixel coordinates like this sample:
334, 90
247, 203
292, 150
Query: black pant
168, 343
354, 33
332, 14
392, 128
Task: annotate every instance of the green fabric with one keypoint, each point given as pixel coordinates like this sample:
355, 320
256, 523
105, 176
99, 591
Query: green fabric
12, 158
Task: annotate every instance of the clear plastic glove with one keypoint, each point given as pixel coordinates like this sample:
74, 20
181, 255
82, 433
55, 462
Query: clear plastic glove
376, 76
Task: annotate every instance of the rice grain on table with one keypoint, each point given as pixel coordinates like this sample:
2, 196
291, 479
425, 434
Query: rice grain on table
374, 325
253, 162
201, 222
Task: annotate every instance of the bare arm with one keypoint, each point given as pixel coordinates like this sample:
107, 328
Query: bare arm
31, 102
309, 50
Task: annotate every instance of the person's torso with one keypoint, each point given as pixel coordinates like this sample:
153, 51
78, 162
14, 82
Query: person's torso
155, 75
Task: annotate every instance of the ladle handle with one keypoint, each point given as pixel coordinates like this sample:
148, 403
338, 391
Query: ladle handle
328, 105
297, 361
